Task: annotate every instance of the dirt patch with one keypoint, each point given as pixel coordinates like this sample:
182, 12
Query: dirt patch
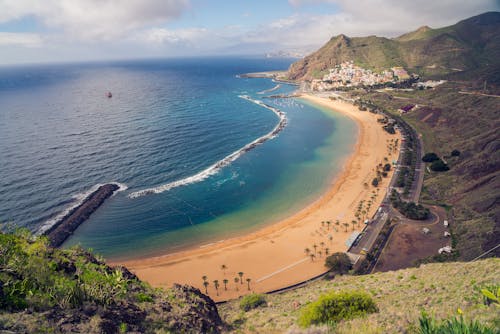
408, 243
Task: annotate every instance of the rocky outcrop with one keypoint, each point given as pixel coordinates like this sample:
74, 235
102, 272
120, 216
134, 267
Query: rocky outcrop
68, 224
192, 311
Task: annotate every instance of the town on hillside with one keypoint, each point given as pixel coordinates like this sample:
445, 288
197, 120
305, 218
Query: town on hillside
347, 74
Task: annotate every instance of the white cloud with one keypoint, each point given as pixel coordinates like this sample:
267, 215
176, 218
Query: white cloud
20, 39
166, 36
388, 18
95, 19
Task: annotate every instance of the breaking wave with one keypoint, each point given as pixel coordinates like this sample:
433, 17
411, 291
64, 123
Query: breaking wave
216, 167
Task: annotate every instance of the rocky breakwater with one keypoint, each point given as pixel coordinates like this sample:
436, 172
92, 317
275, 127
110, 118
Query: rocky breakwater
62, 229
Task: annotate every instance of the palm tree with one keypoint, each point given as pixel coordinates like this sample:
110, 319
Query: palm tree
312, 257
346, 225
322, 224
241, 277
337, 222
206, 286
225, 281
328, 223
330, 238
216, 285
204, 278
327, 251
223, 268
248, 283
353, 222
320, 253
236, 280
307, 251
315, 246
322, 244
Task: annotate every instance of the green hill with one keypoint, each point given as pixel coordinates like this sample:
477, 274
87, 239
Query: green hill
468, 45
400, 296
47, 290
449, 120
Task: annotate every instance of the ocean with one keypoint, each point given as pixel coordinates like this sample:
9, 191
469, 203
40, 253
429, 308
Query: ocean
200, 153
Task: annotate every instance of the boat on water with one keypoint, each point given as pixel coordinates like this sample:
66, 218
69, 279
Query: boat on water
109, 95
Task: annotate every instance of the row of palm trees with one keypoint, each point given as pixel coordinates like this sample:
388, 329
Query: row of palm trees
225, 281
313, 254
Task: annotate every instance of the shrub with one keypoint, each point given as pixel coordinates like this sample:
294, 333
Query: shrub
338, 263
375, 182
439, 166
429, 325
336, 306
430, 157
387, 167
252, 301
455, 153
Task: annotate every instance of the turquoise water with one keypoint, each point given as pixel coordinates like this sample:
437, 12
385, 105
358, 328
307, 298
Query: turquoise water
167, 123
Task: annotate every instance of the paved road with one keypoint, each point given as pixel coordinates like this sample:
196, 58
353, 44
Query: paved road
371, 232
418, 179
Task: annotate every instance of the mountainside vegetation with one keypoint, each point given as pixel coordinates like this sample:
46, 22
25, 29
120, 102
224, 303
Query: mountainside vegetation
462, 131
390, 302
48, 290
458, 50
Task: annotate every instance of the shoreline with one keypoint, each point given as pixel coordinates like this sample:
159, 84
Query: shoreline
273, 257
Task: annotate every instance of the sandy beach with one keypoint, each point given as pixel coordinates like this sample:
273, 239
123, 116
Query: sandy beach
275, 256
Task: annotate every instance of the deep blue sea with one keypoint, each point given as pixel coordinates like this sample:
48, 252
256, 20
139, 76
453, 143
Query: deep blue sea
172, 136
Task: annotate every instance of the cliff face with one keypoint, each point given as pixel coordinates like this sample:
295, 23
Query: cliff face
43, 289
469, 44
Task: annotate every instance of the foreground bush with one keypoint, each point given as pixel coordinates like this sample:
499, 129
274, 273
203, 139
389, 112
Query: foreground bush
336, 306
429, 325
252, 301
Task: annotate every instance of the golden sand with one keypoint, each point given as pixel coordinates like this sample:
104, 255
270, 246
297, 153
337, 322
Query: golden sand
275, 257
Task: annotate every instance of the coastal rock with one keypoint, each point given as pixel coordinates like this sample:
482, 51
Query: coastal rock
192, 312
68, 224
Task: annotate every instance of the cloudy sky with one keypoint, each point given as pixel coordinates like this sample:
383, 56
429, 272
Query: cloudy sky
75, 30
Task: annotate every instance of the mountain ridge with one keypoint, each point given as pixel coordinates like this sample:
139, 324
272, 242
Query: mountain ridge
464, 46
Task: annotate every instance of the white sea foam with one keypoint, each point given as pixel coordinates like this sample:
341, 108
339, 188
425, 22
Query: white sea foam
79, 199
270, 89
216, 167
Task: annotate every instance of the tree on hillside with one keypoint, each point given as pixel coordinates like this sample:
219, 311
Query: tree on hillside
338, 263
430, 157
439, 166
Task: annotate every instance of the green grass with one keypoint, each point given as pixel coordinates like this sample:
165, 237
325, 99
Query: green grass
251, 301
400, 296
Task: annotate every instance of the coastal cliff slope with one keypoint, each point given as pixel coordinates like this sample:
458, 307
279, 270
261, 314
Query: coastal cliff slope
439, 289
465, 46
49, 290
44, 289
